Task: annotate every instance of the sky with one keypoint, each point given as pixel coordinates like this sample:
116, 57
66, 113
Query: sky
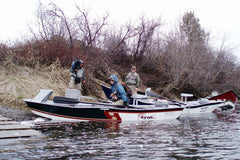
219, 17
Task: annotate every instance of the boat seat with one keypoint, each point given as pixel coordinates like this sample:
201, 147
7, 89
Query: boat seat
139, 96
185, 96
73, 93
43, 95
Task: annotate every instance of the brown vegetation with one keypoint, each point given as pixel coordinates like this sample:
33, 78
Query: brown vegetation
180, 61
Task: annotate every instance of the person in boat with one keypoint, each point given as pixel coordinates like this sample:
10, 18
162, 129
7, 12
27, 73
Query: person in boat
77, 77
118, 93
133, 79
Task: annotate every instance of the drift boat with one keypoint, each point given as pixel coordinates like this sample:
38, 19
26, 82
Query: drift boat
225, 101
69, 109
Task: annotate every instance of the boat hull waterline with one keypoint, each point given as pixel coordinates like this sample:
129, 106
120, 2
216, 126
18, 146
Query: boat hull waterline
86, 112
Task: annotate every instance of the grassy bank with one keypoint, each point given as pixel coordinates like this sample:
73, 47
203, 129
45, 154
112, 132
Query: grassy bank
18, 82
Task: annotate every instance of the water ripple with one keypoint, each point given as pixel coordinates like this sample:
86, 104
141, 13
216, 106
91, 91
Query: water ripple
210, 137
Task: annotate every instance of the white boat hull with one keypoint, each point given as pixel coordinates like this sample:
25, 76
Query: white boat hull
149, 116
205, 108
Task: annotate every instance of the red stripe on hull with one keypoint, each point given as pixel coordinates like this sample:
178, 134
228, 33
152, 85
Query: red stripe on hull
113, 116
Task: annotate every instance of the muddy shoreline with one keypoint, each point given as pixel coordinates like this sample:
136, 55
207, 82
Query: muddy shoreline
16, 114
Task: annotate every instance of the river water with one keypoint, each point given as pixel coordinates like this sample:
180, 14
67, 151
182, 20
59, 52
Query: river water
209, 136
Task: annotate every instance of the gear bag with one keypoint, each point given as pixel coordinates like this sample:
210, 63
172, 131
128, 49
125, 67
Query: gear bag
127, 89
77, 79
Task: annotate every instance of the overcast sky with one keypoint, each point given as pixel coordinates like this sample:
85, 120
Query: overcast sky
220, 17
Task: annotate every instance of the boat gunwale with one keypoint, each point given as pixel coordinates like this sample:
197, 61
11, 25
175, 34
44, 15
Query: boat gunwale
107, 107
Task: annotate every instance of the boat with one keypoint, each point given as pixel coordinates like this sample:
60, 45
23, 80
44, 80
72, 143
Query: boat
202, 105
220, 102
142, 106
226, 96
75, 109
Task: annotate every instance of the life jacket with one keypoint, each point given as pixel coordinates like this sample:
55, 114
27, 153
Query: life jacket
131, 78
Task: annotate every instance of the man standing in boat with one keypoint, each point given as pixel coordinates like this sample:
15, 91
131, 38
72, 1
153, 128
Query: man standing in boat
77, 77
133, 80
118, 93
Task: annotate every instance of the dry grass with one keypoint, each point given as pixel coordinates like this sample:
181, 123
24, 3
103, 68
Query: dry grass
17, 82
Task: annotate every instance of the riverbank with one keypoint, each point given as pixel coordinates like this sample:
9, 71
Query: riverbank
17, 82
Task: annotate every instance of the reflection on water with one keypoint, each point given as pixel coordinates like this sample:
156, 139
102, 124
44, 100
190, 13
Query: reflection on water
211, 136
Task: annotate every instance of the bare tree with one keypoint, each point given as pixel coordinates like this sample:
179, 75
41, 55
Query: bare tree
90, 31
53, 22
57, 12
145, 32
124, 36
45, 24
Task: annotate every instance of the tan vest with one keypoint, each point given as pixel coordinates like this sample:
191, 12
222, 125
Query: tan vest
132, 78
